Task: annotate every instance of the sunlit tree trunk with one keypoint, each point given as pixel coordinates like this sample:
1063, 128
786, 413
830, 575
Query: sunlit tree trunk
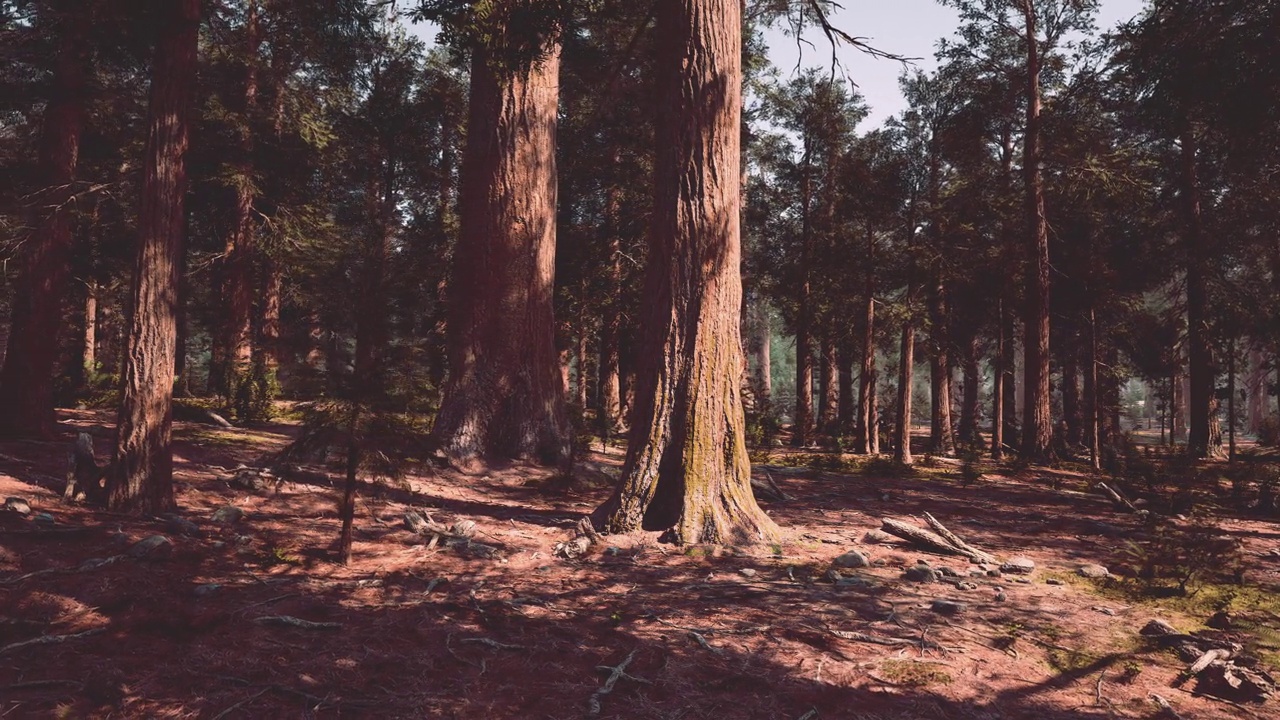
505, 397
26, 380
141, 475
687, 468
830, 364
969, 399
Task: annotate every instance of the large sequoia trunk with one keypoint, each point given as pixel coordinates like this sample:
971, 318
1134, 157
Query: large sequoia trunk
1037, 425
141, 475
505, 397
687, 467
26, 381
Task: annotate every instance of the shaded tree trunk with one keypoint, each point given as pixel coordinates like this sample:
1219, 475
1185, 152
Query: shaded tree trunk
941, 437
687, 467
1037, 425
504, 397
802, 424
610, 384
829, 412
902, 445
1071, 406
764, 361
1201, 370
999, 387
89, 341
844, 418
238, 255
1256, 387
969, 401
141, 475
26, 379
867, 432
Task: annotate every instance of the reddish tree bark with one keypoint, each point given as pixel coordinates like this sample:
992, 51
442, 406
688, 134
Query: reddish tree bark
26, 380
867, 432
1200, 370
505, 397
829, 412
687, 467
141, 475
1037, 429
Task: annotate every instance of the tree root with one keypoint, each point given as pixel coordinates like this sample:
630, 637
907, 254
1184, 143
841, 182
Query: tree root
49, 640
616, 673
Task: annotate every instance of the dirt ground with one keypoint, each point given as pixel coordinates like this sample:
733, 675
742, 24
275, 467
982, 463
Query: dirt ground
502, 628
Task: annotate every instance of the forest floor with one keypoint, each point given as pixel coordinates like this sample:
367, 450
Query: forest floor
501, 627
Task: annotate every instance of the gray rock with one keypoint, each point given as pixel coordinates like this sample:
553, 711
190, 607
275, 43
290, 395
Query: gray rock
17, 505
155, 547
920, 574
181, 526
1001, 597
1022, 580
855, 582
851, 559
1054, 581
964, 585
1018, 566
948, 572
994, 573
948, 607
227, 515
975, 573
834, 575
876, 537
746, 572
45, 518
614, 551
1093, 571
206, 589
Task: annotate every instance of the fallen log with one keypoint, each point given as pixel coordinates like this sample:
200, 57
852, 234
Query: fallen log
1120, 501
1205, 659
925, 539
766, 488
959, 544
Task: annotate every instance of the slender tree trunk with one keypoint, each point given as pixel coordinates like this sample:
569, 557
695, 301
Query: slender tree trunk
1256, 387
902, 445
1000, 376
238, 254
1177, 406
866, 380
873, 413
504, 397
141, 475
969, 401
1071, 411
26, 379
1037, 424
611, 326
687, 467
844, 418
582, 382
1091, 392
802, 424
272, 285
89, 344
1231, 400
1201, 365
941, 436
764, 360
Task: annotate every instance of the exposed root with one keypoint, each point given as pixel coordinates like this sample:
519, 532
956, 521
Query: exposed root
616, 673
49, 640
291, 621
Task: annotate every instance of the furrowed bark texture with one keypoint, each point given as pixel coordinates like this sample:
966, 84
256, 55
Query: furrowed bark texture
141, 475
687, 467
26, 381
1037, 425
505, 396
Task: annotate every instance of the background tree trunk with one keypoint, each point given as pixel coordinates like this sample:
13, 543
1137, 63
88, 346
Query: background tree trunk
505, 397
902, 446
830, 411
141, 475
1201, 369
26, 380
687, 467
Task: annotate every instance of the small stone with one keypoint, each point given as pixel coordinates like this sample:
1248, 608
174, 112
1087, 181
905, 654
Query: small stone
834, 575
748, 572
244, 539
876, 537
1054, 581
155, 547
975, 573
851, 559
948, 572
227, 515
1221, 620
948, 607
613, 551
1019, 566
855, 582
964, 585
994, 573
920, 574
1001, 597
206, 589
45, 518
181, 526
17, 505
1093, 571
1157, 627
1022, 580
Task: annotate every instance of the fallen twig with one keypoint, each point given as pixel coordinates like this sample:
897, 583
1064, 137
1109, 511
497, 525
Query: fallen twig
616, 673
703, 642
49, 640
243, 702
972, 552
291, 621
39, 684
493, 643
1165, 707
86, 566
